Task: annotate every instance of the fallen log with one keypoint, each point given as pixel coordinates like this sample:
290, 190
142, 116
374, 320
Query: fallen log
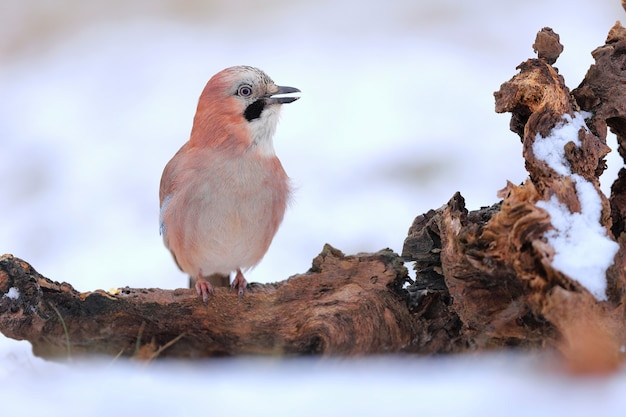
485, 279
343, 305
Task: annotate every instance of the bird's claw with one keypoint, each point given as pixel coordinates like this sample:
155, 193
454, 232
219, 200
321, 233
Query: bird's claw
239, 283
204, 288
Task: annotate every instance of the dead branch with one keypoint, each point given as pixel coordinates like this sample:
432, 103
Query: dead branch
347, 305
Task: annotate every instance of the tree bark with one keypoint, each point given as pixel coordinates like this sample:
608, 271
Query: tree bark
346, 305
484, 279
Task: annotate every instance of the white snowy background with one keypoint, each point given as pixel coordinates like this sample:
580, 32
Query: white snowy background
397, 114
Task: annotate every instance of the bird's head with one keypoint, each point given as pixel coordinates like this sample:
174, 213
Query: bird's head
239, 110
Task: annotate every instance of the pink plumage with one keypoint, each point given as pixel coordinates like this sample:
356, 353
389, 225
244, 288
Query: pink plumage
224, 193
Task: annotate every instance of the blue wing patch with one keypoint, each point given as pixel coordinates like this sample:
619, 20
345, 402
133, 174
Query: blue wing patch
162, 227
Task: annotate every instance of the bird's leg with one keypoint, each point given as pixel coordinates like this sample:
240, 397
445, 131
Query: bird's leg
204, 287
239, 283
204, 284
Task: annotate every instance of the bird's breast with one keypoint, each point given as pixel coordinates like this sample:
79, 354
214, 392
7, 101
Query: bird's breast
226, 212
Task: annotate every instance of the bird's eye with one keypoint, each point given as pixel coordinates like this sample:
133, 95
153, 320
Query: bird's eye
244, 91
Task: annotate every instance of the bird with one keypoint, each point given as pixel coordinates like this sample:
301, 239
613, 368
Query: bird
223, 195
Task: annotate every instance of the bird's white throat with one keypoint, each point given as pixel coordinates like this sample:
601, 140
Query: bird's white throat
262, 131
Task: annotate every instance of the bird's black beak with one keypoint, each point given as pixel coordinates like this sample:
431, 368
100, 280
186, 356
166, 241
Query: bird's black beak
272, 99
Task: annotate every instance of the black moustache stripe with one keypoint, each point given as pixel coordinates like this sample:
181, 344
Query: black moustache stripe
254, 110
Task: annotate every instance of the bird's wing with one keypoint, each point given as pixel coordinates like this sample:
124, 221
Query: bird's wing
167, 189
167, 180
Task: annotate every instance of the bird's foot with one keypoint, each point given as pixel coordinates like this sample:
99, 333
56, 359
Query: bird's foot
204, 288
239, 283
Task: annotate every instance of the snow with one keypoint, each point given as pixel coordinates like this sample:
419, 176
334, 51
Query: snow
12, 294
552, 149
583, 250
489, 385
396, 115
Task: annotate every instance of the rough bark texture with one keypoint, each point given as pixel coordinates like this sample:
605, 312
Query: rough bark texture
346, 305
484, 279
328, 310
603, 93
